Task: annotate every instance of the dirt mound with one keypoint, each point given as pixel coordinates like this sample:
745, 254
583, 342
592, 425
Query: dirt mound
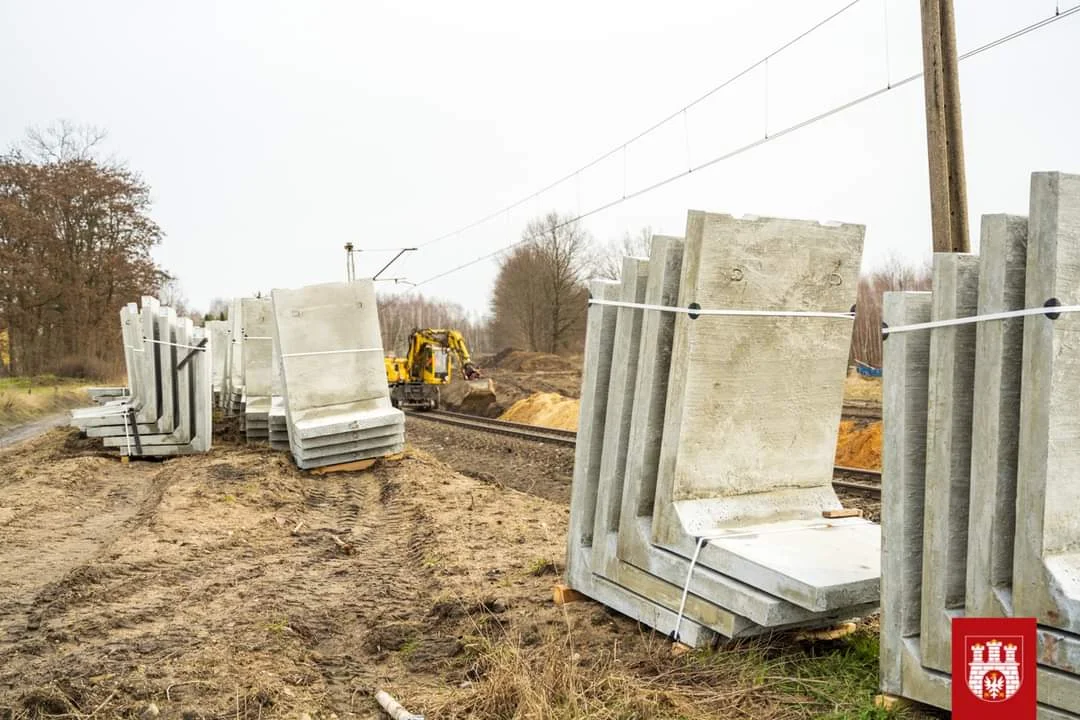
523, 361
547, 409
859, 445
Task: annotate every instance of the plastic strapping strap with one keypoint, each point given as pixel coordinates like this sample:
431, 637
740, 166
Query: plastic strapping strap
1048, 310
191, 354
729, 535
331, 352
726, 312
172, 344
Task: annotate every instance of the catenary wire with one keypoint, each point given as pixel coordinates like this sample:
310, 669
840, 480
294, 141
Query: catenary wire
622, 146
748, 146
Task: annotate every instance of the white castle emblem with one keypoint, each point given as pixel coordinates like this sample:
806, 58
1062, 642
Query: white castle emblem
990, 677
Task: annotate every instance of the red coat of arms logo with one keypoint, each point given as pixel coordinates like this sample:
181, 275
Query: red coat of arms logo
993, 668
993, 671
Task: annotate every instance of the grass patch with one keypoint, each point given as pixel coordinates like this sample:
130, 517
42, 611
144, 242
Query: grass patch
24, 399
777, 680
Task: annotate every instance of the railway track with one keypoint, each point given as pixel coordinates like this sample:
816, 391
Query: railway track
503, 427
868, 411
858, 479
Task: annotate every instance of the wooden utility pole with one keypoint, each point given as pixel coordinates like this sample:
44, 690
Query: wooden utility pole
944, 130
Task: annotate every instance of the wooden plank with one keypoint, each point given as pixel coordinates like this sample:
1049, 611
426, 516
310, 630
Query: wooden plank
841, 513
354, 466
563, 594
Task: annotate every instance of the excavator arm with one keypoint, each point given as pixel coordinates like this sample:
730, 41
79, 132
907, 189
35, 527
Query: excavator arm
450, 339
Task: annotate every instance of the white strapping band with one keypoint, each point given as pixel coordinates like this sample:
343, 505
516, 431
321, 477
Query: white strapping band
172, 344
331, 352
1042, 310
727, 312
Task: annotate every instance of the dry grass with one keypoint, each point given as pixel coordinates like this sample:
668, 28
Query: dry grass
523, 679
25, 399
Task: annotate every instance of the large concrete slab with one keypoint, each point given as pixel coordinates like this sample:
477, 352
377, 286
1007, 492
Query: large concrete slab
903, 482
753, 408
904, 465
235, 355
996, 417
620, 404
592, 413
218, 330
948, 454
1046, 568
332, 372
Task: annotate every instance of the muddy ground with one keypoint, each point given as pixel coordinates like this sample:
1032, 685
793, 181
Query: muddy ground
234, 585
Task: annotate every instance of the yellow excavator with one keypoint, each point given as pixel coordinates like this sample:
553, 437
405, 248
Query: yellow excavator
415, 379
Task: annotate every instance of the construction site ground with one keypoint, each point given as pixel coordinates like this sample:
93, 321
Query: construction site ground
234, 585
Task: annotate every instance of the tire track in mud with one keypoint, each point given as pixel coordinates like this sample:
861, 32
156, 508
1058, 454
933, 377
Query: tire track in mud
387, 585
61, 595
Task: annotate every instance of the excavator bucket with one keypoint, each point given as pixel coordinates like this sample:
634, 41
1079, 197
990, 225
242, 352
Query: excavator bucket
479, 396
481, 388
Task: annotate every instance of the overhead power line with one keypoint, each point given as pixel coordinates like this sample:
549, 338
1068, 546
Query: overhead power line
759, 142
621, 146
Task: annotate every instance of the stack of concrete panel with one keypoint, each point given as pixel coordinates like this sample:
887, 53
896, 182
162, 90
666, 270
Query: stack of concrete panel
705, 443
979, 513
168, 409
219, 340
258, 343
337, 402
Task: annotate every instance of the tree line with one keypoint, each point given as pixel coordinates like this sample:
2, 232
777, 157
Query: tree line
75, 242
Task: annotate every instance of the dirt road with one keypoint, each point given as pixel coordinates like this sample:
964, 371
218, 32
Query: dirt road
20, 433
232, 584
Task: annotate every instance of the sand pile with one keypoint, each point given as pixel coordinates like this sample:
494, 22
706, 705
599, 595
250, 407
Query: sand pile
859, 445
546, 409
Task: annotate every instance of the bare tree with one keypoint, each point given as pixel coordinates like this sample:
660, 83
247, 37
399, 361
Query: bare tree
540, 298
607, 259
399, 315
64, 142
172, 295
894, 276
75, 241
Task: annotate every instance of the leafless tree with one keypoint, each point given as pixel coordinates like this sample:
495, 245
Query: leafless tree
75, 241
540, 299
607, 259
894, 275
64, 142
172, 295
399, 315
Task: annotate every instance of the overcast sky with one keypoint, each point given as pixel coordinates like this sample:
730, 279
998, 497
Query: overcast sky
274, 132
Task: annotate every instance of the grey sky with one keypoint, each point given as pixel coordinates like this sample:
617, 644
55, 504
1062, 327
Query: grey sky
274, 132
